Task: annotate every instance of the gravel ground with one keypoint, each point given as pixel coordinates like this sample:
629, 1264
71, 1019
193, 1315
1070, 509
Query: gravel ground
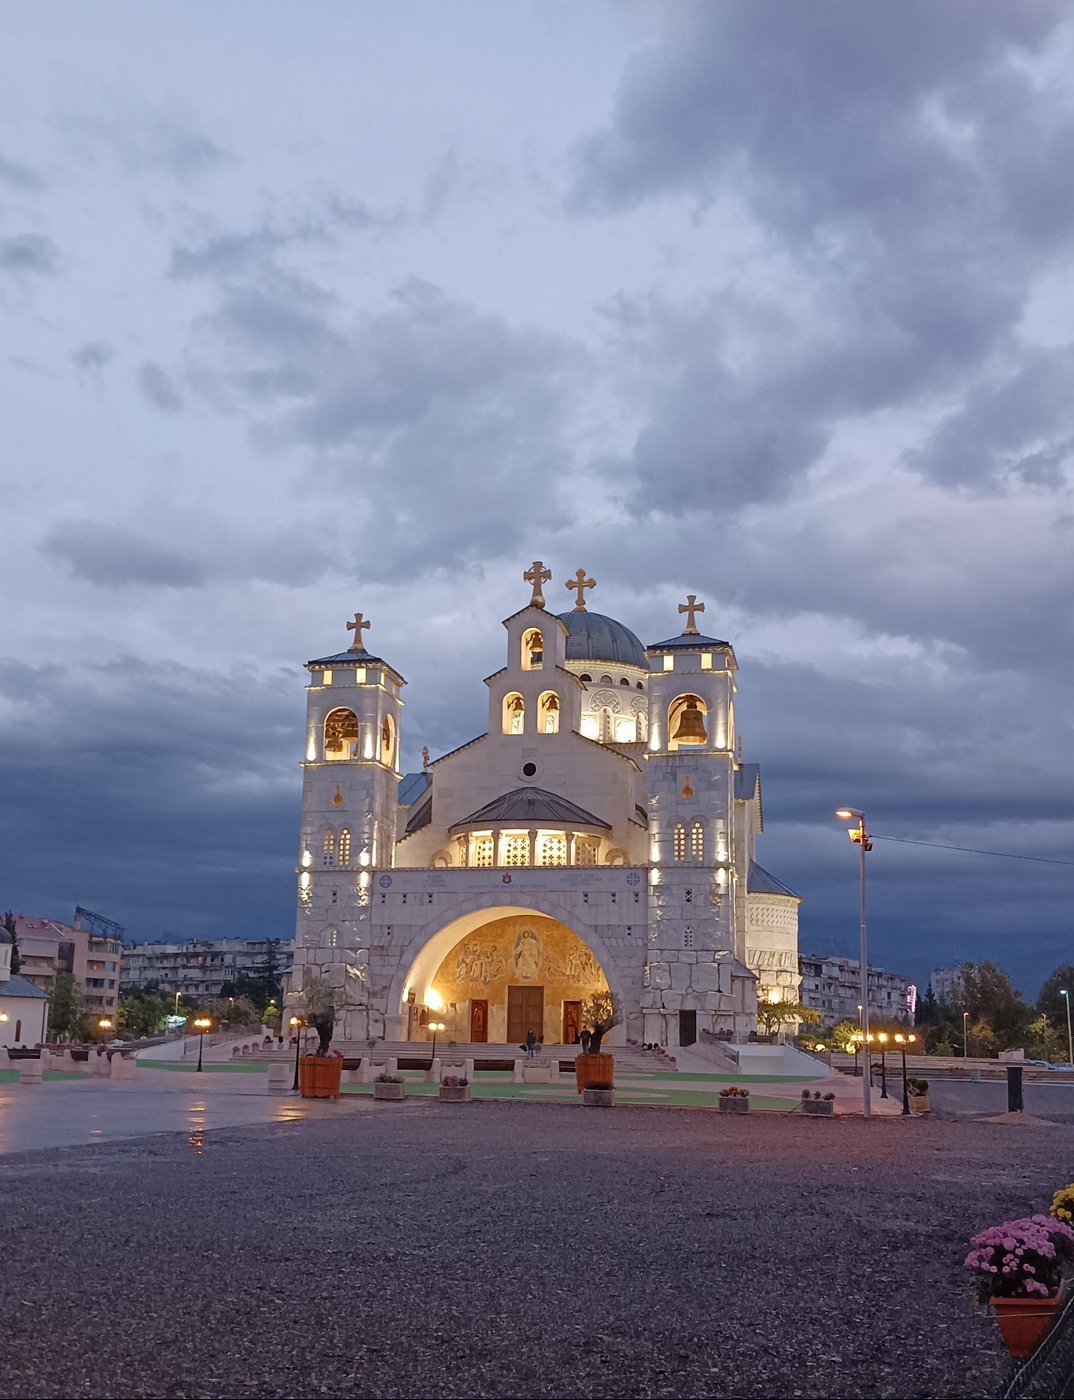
512, 1249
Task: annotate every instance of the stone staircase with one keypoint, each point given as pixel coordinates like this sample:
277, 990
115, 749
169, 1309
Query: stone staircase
627, 1060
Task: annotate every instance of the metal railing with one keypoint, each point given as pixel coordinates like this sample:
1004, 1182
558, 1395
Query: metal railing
1049, 1373
711, 1038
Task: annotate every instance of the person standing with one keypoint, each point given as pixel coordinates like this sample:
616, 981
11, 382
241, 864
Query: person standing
586, 1039
531, 1043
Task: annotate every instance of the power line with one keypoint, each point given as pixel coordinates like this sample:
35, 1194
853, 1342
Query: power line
971, 850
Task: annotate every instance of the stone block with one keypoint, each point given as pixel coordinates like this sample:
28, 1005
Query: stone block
123, 1067
706, 977
680, 976
30, 1071
672, 1001
659, 976
432, 1074
280, 1077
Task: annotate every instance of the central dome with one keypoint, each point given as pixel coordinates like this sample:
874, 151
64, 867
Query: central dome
594, 637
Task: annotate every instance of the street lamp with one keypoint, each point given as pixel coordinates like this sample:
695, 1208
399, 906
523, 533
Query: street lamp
435, 1026
1065, 994
859, 835
296, 1024
902, 1041
965, 1035
883, 1039
201, 1025
859, 1015
105, 1023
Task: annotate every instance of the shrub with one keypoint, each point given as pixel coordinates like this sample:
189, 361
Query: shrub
454, 1081
734, 1092
386, 1078
1020, 1258
917, 1086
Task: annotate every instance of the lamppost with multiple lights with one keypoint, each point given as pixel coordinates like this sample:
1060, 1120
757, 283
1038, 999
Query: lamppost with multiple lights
902, 1041
1065, 994
202, 1024
860, 836
296, 1023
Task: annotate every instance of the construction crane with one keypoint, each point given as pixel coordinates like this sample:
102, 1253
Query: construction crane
97, 923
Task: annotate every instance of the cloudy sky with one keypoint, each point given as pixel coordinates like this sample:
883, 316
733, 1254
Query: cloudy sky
365, 306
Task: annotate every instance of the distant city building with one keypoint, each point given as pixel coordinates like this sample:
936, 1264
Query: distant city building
832, 986
23, 1007
200, 967
48, 947
946, 982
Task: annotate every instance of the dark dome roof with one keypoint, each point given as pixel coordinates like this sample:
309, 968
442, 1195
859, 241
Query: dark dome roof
594, 637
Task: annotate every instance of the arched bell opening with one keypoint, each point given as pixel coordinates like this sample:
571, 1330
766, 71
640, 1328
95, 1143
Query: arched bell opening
687, 722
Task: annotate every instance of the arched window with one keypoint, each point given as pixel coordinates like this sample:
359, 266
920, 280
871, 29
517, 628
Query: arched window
640, 712
331, 936
686, 721
548, 713
640, 686
515, 848
345, 847
328, 847
481, 851
533, 650
624, 681
697, 842
605, 680
585, 850
679, 841
585, 676
387, 739
552, 848
341, 735
514, 713
607, 724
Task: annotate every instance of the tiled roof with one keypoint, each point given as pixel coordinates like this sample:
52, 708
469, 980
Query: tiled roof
20, 987
687, 640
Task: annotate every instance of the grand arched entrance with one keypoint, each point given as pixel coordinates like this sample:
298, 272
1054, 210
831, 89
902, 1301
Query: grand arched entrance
496, 977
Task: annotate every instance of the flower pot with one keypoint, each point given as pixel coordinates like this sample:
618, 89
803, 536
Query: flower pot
389, 1093
319, 1076
599, 1098
594, 1069
449, 1093
1025, 1322
919, 1103
818, 1108
735, 1105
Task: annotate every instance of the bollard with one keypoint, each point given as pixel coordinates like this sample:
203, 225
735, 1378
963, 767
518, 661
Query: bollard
123, 1067
1014, 1089
30, 1072
279, 1078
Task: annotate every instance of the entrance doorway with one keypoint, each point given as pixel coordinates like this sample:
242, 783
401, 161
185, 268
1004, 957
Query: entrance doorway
479, 1022
687, 1027
572, 1022
525, 1012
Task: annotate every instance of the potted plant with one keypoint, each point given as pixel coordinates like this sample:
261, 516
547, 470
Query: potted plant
389, 1088
818, 1105
454, 1088
917, 1094
599, 1094
734, 1100
1019, 1267
602, 1011
320, 1074
1062, 1207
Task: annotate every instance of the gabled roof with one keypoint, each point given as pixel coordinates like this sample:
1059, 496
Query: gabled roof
355, 658
688, 640
759, 881
411, 787
531, 805
422, 816
21, 987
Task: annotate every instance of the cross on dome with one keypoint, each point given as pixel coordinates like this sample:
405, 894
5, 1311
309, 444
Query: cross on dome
580, 583
537, 574
690, 607
358, 626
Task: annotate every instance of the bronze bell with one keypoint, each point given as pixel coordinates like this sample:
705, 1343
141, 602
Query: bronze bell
551, 703
691, 726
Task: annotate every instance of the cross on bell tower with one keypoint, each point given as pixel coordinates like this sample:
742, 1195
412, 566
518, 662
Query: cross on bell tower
358, 626
537, 574
690, 607
580, 583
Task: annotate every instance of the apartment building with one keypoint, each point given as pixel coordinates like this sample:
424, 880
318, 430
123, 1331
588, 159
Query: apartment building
199, 967
832, 986
48, 947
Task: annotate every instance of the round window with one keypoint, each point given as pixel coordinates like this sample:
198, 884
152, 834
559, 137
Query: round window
529, 770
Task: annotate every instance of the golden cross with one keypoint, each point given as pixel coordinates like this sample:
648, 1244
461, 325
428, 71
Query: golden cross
690, 607
580, 583
358, 626
537, 574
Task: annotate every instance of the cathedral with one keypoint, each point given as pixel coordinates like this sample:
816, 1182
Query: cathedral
598, 836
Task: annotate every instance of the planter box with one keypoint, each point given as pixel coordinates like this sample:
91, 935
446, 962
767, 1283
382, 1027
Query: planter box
818, 1108
450, 1093
735, 1105
919, 1103
389, 1093
319, 1076
1025, 1322
599, 1098
594, 1069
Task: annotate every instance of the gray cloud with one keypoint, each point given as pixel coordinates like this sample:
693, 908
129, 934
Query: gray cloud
19, 176
159, 388
92, 356
114, 557
158, 143
29, 254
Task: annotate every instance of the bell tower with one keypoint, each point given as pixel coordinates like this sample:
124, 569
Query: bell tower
350, 775
690, 764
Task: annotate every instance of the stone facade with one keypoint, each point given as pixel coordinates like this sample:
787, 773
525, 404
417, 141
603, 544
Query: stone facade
606, 809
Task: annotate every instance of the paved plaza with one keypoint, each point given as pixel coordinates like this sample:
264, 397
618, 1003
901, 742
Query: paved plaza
503, 1248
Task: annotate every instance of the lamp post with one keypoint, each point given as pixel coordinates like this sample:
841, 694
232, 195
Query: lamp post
1065, 994
435, 1026
902, 1041
883, 1039
201, 1025
860, 836
965, 1035
296, 1025
859, 1015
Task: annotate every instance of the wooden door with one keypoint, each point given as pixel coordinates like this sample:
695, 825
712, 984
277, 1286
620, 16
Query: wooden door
572, 1022
479, 1022
525, 1013
687, 1027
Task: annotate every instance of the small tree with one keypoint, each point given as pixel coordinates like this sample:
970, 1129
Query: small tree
318, 1004
843, 1033
772, 1015
16, 960
68, 1013
601, 1012
141, 1013
1045, 1041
